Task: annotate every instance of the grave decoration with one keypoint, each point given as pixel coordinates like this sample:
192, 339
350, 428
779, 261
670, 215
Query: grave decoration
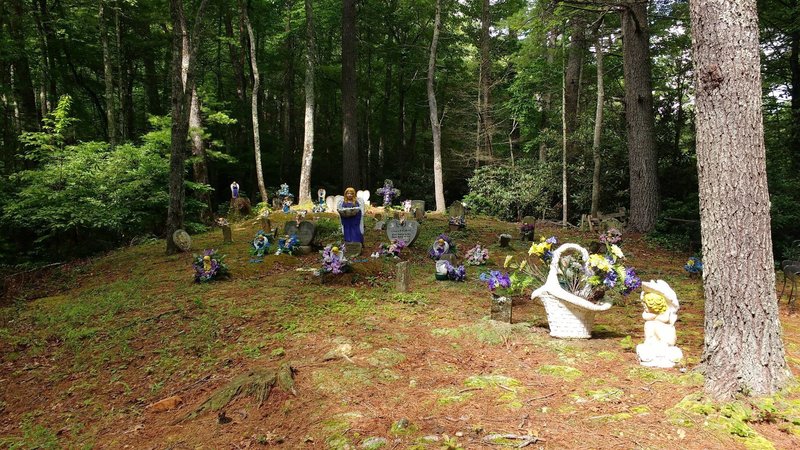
182, 240
454, 273
260, 245
527, 228
209, 266
407, 206
234, 190
288, 245
440, 246
660, 313
285, 198
320, 206
391, 250
505, 240
406, 230
477, 256
334, 260
227, 236
502, 286
457, 219
611, 236
694, 266
363, 196
351, 211
389, 192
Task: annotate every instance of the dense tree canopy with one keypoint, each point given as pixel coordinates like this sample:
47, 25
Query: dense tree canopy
508, 75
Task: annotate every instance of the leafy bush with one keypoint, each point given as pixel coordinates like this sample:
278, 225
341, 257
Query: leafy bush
511, 192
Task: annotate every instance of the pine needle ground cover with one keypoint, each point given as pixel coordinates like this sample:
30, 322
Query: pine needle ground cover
274, 357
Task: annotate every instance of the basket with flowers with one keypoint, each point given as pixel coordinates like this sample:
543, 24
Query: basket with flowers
209, 266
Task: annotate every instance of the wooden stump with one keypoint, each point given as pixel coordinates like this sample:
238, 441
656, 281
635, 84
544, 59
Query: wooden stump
227, 237
403, 276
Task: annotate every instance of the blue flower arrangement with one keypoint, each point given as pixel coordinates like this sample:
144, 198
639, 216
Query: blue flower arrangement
694, 266
288, 245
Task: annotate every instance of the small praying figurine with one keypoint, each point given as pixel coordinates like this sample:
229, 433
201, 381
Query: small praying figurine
352, 210
234, 190
660, 313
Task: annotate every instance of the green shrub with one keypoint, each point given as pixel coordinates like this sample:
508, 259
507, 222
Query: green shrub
510, 192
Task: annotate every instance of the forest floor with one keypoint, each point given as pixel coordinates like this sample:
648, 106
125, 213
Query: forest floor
87, 350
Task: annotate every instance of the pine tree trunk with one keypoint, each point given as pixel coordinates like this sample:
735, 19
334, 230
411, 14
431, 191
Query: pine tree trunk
794, 65
639, 118
22, 85
598, 127
743, 346
577, 48
254, 104
350, 157
436, 127
108, 77
308, 136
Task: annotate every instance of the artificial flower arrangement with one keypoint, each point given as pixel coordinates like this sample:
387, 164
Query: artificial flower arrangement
477, 256
611, 236
455, 273
209, 266
459, 221
443, 244
288, 245
389, 192
260, 245
333, 260
391, 250
694, 265
505, 284
527, 228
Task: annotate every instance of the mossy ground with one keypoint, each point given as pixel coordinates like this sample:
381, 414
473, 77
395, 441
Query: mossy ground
105, 338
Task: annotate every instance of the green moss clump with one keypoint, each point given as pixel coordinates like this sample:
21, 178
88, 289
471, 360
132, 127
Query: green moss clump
565, 372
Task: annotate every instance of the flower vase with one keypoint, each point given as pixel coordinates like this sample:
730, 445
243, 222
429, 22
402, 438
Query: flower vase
501, 308
454, 227
441, 270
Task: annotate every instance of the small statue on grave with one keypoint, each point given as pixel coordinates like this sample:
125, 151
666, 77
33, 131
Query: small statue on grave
234, 189
407, 206
352, 211
660, 313
388, 192
320, 206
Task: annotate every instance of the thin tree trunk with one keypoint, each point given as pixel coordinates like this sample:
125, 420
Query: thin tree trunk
308, 135
436, 127
200, 163
181, 103
254, 104
577, 48
598, 127
350, 156
743, 350
794, 65
486, 81
108, 77
21, 73
547, 96
151, 87
639, 118
287, 116
564, 139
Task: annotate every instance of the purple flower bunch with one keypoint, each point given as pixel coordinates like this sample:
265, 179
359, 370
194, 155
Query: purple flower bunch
611, 236
477, 256
440, 246
527, 227
632, 281
392, 249
209, 266
388, 192
456, 273
460, 221
333, 260
496, 279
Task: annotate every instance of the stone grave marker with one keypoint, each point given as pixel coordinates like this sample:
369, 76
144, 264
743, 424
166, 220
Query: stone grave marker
501, 309
330, 204
403, 276
457, 209
290, 228
418, 204
305, 232
528, 235
227, 237
505, 239
407, 231
352, 249
182, 240
419, 214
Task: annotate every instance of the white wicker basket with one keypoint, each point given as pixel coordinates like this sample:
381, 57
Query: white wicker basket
569, 316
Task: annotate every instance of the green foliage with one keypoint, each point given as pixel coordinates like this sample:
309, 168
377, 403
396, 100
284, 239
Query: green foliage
510, 192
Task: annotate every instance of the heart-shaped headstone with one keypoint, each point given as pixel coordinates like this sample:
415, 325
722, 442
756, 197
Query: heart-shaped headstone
305, 232
290, 228
330, 203
363, 195
406, 231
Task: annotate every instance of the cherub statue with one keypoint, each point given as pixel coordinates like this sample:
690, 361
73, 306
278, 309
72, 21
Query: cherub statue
660, 313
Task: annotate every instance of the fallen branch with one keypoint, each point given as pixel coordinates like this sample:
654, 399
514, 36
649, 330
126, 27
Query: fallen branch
526, 439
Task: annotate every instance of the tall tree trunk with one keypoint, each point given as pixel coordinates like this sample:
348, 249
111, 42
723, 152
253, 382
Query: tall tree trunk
598, 126
794, 65
743, 350
308, 135
436, 127
181, 103
22, 85
487, 127
547, 96
254, 103
108, 77
124, 75
200, 159
639, 118
287, 105
151, 87
387, 97
577, 49
350, 157
564, 140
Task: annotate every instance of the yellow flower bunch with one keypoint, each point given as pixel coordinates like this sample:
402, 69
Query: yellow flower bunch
539, 248
655, 303
599, 262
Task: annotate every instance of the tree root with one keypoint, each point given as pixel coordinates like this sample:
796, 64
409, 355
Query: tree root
256, 384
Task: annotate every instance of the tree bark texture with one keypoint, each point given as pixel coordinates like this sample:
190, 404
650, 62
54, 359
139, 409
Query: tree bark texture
743, 350
108, 77
598, 127
485, 110
547, 96
436, 126
254, 104
639, 118
577, 49
200, 160
304, 194
22, 84
350, 156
